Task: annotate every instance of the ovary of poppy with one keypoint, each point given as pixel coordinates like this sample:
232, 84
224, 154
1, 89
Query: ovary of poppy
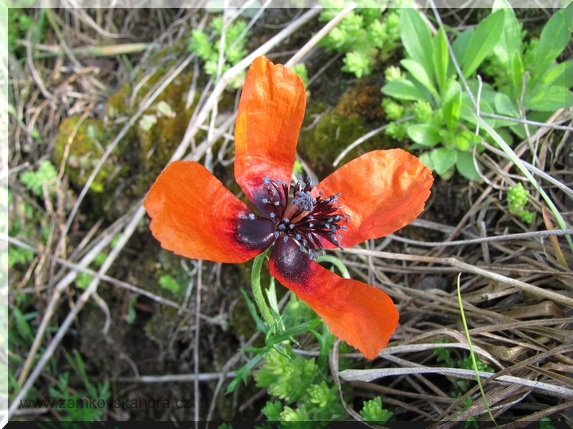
195, 216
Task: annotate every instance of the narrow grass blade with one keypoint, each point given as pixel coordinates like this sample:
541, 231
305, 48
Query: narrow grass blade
472, 354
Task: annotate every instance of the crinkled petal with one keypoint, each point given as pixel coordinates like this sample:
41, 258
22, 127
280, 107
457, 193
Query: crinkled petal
270, 114
382, 191
356, 312
195, 216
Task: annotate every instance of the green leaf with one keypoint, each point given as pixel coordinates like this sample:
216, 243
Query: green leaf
243, 373
426, 159
460, 47
200, 45
424, 134
443, 159
466, 140
452, 105
441, 58
504, 105
300, 329
484, 107
515, 76
465, 166
510, 42
170, 283
560, 75
550, 99
417, 39
403, 90
554, 38
254, 313
420, 74
486, 36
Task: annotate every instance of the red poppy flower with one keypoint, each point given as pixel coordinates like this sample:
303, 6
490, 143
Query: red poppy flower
195, 216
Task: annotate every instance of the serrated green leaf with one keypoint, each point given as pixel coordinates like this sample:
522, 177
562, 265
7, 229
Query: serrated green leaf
417, 39
486, 36
424, 134
420, 74
465, 166
403, 90
560, 75
443, 159
550, 99
554, 38
441, 58
515, 76
452, 105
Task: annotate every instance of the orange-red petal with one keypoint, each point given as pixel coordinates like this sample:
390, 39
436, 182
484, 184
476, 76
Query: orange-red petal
355, 312
195, 216
270, 114
382, 191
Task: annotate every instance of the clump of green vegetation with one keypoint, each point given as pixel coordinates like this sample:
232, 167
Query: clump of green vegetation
365, 35
430, 94
73, 405
517, 200
444, 354
374, 412
45, 175
19, 23
232, 50
26, 221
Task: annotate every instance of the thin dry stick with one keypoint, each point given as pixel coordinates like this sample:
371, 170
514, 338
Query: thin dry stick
507, 237
364, 138
530, 122
320, 35
469, 269
176, 378
197, 333
469, 374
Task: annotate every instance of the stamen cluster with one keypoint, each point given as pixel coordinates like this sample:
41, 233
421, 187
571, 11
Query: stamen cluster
305, 219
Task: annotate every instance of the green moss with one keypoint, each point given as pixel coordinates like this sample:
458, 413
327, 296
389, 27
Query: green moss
83, 144
357, 113
158, 142
161, 325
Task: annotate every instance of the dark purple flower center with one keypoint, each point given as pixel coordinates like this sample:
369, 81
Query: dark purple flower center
304, 219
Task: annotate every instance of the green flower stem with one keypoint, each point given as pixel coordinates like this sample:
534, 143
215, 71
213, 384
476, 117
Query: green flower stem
337, 263
257, 291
